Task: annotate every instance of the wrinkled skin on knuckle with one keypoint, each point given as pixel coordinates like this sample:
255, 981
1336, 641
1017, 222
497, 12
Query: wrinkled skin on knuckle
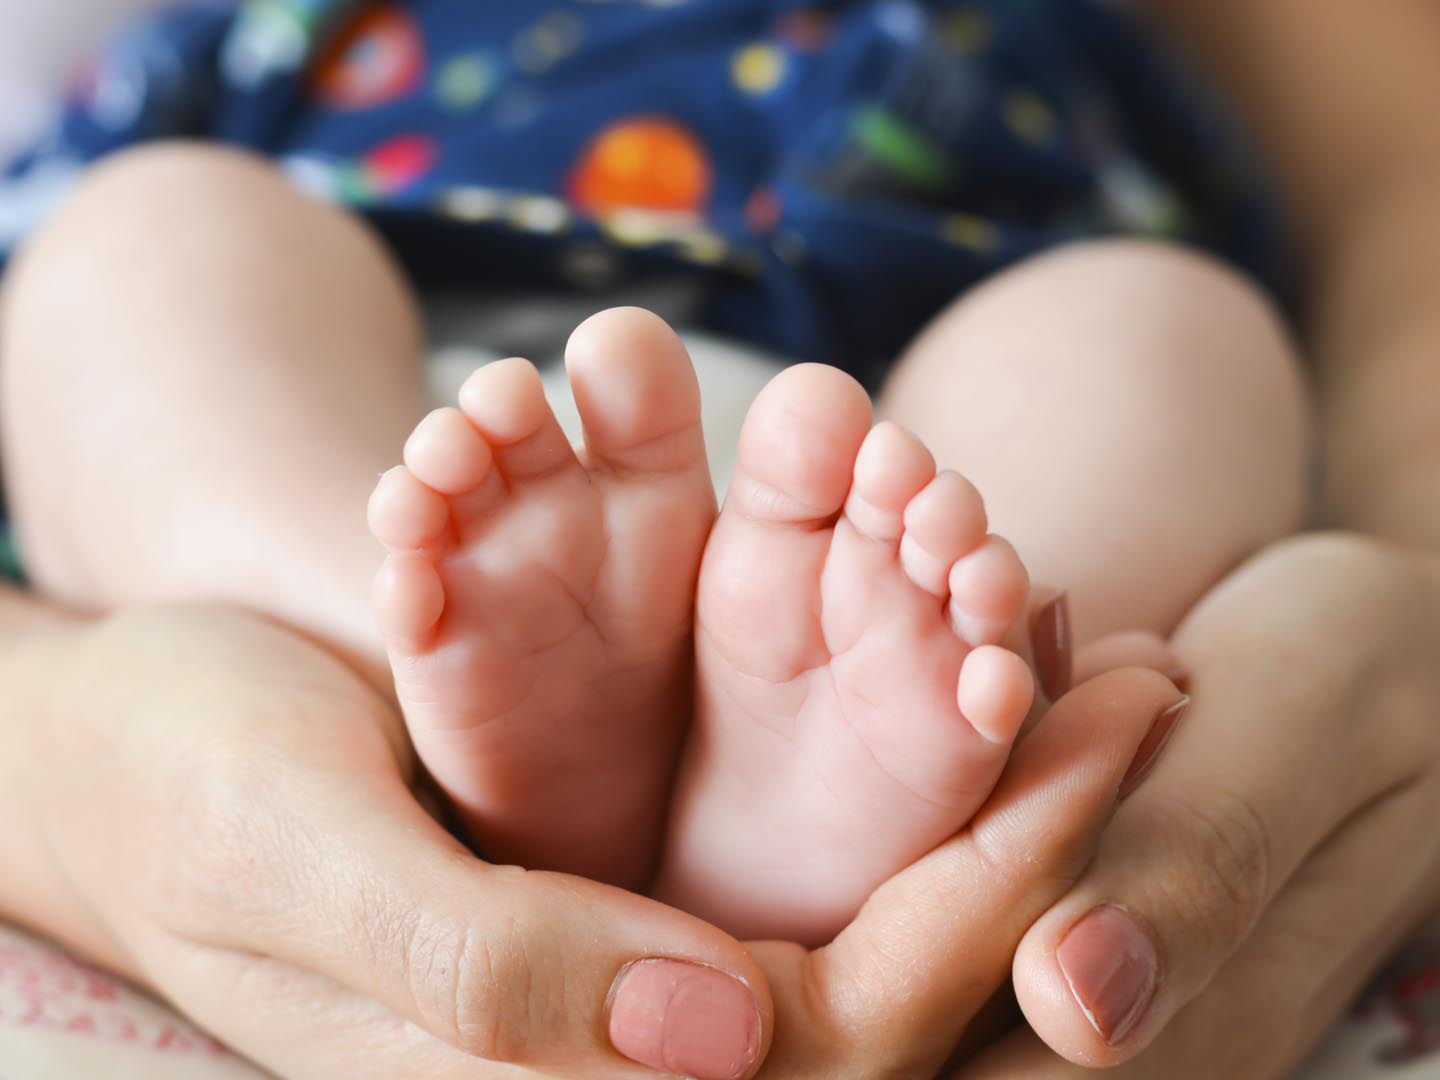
494, 992
1221, 871
439, 959
465, 977
485, 989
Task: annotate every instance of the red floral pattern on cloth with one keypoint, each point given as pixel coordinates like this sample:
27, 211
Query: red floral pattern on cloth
61, 1019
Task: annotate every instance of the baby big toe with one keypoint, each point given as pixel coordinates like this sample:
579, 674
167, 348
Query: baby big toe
796, 459
636, 392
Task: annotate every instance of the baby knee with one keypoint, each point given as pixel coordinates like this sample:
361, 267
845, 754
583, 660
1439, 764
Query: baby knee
141, 195
1172, 331
1197, 321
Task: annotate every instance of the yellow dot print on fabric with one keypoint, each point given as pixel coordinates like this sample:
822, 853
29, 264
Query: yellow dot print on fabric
538, 214
1030, 117
759, 68
704, 247
966, 32
636, 228
968, 231
547, 42
473, 205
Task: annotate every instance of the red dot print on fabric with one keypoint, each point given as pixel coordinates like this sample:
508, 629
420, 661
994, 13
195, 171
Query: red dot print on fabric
806, 30
377, 59
396, 165
762, 210
644, 163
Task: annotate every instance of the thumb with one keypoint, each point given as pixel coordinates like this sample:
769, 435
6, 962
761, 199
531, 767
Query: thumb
508, 965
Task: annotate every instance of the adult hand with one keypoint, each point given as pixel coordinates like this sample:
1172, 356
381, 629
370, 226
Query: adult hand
223, 812
1284, 846
898, 989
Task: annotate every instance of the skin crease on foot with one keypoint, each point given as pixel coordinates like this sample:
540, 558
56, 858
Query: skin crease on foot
851, 683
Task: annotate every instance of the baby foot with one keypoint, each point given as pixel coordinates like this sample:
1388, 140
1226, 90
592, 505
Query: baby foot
537, 603
853, 706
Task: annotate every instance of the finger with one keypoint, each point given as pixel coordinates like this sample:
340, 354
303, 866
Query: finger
506, 965
1132, 648
1341, 916
1194, 859
1312, 954
932, 944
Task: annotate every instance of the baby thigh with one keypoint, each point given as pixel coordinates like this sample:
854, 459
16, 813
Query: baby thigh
1134, 414
203, 373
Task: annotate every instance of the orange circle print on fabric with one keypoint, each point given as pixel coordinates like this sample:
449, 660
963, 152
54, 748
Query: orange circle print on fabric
378, 58
646, 163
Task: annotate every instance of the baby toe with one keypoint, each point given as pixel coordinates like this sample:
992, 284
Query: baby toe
995, 693
408, 599
942, 523
890, 470
988, 591
404, 514
506, 403
446, 453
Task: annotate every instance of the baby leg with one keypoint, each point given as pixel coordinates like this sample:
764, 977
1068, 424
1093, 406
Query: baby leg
204, 373
1135, 421
1134, 414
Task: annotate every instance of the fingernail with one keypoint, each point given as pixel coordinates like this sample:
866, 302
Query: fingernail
685, 1019
1152, 746
1050, 643
1112, 969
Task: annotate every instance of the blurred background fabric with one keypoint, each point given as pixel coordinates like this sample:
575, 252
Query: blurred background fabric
40, 41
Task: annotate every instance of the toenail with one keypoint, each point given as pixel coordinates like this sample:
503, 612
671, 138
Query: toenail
1112, 969
1050, 644
686, 1019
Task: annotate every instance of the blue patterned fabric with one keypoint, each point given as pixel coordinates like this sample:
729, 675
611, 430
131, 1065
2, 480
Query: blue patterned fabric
836, 171
833, 173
